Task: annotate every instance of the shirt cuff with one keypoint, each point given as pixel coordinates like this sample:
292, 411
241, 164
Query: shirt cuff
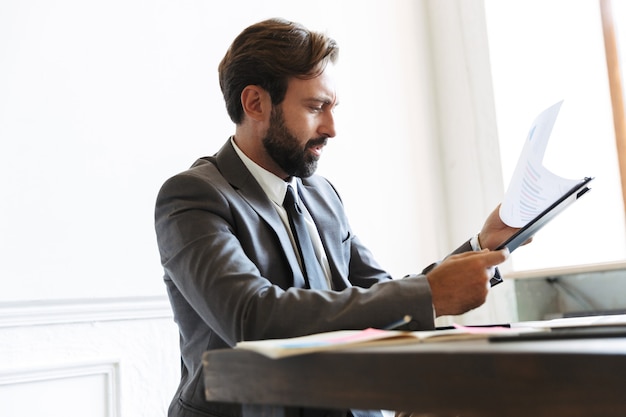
475, 243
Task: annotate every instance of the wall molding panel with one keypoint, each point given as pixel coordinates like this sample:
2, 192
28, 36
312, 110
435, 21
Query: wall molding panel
46, 312
97, 357
97, 379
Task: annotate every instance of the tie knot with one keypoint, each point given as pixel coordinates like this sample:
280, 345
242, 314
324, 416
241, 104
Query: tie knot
291, 202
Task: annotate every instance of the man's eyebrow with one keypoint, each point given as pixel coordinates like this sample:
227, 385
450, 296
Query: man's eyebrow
323, 100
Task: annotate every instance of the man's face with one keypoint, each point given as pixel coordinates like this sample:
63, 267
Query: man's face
301, 125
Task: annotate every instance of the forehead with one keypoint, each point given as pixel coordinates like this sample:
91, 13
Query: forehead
323, 87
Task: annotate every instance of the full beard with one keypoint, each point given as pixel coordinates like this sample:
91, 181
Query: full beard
284, 148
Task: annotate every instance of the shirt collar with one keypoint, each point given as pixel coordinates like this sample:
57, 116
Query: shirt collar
274, 186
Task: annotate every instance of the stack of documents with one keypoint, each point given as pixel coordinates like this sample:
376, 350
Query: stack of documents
347, 339
578, 327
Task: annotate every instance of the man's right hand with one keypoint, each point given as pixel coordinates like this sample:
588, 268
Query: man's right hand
461, 282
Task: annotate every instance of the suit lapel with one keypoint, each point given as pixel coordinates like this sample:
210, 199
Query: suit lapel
236, 173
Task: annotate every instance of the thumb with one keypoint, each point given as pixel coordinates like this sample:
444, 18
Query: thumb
495, 257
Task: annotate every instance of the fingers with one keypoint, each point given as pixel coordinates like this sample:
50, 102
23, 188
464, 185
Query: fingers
491, 259
460, 282
488, 257
495, 257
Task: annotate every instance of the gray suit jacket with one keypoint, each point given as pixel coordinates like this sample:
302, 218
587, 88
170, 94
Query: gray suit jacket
232, 274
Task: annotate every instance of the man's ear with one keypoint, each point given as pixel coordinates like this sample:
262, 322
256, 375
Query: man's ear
256, 103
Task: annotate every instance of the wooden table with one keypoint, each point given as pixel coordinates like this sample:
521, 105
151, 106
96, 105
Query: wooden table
571, 377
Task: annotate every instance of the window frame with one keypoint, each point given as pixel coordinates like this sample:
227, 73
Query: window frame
613, 63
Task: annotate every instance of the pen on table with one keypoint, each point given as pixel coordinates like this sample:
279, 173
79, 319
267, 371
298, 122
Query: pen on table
404, 320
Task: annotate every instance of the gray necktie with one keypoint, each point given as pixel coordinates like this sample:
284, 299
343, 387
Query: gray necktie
311, 267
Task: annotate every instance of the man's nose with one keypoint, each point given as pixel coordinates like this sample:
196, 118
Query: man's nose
327, 128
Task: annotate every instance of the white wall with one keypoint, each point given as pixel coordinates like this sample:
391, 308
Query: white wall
101, 101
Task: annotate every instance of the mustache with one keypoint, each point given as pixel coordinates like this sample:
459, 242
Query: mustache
321, 141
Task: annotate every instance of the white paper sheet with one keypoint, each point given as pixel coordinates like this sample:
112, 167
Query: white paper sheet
533, 187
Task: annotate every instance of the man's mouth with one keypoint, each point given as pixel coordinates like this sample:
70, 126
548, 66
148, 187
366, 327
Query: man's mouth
317, 146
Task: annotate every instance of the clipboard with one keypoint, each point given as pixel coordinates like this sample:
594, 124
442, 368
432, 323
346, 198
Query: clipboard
533, 226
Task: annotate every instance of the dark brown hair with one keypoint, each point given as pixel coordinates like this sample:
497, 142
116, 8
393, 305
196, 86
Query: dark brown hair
267, 54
